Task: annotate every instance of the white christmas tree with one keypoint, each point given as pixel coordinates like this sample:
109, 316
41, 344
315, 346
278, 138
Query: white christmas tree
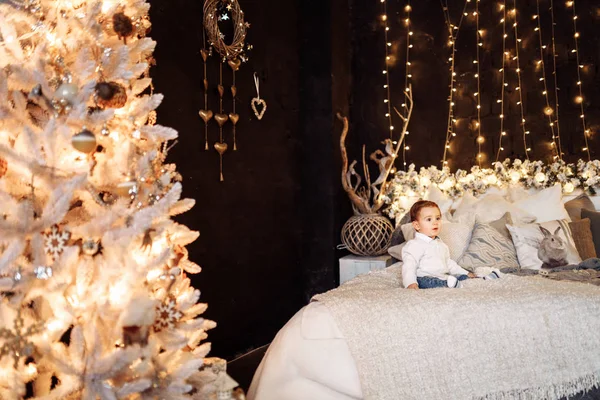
95, 301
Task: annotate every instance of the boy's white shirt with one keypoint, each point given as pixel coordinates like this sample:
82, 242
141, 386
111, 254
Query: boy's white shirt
425, 256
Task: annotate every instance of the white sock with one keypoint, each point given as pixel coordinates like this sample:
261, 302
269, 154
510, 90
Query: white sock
452, 281
491, 276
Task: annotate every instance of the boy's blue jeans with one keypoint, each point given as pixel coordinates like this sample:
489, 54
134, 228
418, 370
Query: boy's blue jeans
429, 282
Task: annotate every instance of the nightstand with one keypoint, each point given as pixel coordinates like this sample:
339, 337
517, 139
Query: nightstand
351, 265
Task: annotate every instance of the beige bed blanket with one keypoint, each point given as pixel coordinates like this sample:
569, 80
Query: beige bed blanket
511, 338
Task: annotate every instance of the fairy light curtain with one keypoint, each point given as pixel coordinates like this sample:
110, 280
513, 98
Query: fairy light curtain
520, 78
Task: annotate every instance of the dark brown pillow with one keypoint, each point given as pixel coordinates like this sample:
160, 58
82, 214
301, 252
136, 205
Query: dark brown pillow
594, 217
575, 206
582, 236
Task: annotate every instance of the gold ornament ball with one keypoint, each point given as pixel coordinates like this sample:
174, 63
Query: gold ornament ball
127, 188
66, 92
84, 141
548, 111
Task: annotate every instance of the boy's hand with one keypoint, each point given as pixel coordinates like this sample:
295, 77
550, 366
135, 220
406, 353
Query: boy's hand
413, 286
472, 275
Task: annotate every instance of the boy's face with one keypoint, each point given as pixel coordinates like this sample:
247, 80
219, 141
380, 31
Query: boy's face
429, 221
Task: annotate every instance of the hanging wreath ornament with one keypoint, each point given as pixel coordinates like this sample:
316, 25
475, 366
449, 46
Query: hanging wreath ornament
214, 11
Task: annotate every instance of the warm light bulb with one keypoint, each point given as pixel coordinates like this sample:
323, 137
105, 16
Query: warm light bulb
578, 99
540, 177
568, 187
548, 111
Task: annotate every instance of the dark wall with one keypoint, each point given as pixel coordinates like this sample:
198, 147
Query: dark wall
269, 232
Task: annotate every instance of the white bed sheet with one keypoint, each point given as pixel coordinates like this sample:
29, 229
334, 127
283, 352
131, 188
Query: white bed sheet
308, 360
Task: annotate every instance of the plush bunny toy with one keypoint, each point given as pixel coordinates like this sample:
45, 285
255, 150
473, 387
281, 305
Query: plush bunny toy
552, 250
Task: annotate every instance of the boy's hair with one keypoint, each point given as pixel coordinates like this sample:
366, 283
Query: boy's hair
418, 206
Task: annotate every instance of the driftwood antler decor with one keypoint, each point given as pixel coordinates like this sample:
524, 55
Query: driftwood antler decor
369, 199
367, 233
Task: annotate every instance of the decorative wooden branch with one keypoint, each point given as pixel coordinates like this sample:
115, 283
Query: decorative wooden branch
361, 196
359, 204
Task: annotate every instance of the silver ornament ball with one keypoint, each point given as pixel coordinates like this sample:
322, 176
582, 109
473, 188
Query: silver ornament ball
66, 92
90, 247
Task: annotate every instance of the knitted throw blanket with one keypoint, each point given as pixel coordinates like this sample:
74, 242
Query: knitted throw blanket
512, 338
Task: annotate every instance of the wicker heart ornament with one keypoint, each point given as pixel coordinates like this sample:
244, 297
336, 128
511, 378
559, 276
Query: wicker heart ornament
258, 102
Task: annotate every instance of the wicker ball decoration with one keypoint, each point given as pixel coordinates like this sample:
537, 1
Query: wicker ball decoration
215, 37
367, 235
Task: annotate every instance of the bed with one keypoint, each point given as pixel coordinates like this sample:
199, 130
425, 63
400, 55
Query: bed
514, 338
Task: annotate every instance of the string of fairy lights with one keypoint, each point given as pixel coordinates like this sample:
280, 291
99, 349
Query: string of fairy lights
408, 74
556, 102
389, 59
541, 65
453, 31
504, 83
386, 71
518, 71
479, 36
579, 99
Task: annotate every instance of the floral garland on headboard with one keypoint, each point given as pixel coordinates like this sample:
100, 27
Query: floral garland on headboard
530, 174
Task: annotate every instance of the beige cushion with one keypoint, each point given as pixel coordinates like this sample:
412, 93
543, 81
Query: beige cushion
489, 248
582, 236
575, 206
500, 225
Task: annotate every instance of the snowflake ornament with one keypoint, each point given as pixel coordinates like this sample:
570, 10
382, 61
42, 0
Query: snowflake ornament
16, 343
55, 241
167, 315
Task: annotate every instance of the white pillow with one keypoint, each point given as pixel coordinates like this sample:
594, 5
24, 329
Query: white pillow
517, 192
457, 237
465, 207
528, 240
437, 196
396, 251
490, 208
546, 205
